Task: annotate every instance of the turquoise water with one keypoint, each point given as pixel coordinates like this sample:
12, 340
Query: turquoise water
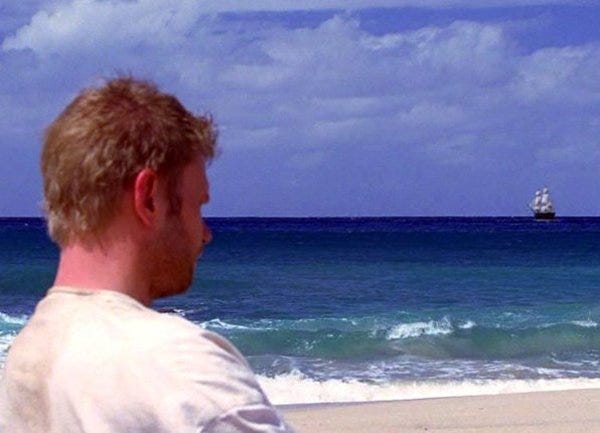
340, 308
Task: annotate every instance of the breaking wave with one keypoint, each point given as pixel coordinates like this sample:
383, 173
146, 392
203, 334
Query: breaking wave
9, 327
417, 329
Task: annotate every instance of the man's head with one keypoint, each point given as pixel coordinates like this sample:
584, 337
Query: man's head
104, 138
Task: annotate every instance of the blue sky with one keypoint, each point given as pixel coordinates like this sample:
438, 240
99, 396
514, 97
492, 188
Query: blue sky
330, 107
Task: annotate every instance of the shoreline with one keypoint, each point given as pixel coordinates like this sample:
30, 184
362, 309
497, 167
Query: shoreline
562, 411
326, 404
322, 405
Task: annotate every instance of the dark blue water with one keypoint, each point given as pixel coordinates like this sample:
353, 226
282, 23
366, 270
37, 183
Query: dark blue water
375, 300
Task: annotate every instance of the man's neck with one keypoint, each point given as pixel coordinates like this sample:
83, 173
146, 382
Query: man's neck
112, 266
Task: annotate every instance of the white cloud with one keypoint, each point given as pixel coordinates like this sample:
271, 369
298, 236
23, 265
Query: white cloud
560, 73
85, 24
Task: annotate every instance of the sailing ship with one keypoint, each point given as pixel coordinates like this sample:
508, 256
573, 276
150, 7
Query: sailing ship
542, 206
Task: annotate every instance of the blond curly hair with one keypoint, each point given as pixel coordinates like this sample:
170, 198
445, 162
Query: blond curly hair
103, 138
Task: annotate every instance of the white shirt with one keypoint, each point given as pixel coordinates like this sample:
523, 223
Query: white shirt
100, 362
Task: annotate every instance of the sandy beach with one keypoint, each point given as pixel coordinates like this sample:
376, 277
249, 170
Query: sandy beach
537, 412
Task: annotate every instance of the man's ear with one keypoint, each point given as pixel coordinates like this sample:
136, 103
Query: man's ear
145, 196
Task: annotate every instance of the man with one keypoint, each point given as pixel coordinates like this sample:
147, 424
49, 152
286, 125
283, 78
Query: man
124, 183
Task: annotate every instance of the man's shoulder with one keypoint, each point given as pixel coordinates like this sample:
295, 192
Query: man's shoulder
199, 365
164, 353
180, 333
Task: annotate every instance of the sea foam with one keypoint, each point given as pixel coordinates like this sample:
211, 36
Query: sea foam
417, 329
585, 323
220, 325
308, 390
12, 320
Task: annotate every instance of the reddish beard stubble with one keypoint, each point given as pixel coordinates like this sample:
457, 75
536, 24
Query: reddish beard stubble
171, 260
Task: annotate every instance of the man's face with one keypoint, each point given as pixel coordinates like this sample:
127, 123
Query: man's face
182, 237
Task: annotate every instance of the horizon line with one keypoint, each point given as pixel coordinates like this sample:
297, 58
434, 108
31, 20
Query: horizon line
347, 216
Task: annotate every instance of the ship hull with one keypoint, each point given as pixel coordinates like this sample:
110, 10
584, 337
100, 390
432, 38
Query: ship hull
545, 216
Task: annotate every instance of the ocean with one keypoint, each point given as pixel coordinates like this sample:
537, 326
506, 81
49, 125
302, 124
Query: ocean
359, 309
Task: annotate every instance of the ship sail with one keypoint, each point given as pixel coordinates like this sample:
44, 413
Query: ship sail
546, 202
536, 203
